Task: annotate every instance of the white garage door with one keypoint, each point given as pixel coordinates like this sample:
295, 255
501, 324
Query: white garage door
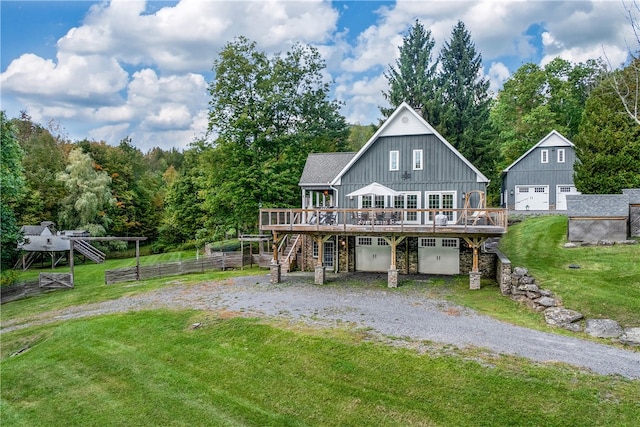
372, 254
532, 197
438, 256
561, 196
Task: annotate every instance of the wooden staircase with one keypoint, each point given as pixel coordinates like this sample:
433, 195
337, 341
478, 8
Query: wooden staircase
88, 250
290, 251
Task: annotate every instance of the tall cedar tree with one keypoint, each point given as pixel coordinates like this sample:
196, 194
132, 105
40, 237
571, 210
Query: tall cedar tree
269, 114
465, 100
413, 79
608, 145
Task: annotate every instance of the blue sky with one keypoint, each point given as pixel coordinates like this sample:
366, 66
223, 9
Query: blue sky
108, 70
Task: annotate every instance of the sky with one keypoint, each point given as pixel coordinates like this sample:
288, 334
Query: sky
109, 70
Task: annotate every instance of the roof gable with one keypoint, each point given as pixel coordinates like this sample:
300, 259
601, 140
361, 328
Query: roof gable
406, 121
553, 139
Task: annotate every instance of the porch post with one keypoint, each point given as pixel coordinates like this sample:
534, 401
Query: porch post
392, 273
319, 273
475, 274
274, 267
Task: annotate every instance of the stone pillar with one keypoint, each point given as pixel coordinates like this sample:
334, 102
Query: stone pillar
474, 279
319, 274
275, 270
392, 278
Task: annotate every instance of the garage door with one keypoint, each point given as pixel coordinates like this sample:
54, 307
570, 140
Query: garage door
532, 197
438, 255
372, 254
561, 196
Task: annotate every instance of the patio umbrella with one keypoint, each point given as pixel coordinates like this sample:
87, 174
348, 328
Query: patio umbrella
374, 189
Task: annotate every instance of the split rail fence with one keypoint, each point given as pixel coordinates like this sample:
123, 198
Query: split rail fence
217, 261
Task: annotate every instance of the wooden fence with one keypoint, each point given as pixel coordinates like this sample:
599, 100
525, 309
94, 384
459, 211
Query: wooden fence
217, 261
56, 280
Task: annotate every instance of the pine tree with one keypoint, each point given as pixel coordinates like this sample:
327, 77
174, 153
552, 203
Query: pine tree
464, 100
413, 79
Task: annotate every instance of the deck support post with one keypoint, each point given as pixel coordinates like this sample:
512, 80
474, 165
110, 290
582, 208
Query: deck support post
392, 273
475, 274
320, 270
275, 269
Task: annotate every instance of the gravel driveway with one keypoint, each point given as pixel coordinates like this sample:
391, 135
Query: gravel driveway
402, 313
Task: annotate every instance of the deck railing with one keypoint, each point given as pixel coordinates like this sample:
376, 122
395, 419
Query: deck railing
335, 219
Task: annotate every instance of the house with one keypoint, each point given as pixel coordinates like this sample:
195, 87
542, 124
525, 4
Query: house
542, 177
406, 202
604, 217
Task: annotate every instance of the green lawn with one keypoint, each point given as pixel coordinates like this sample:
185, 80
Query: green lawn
153, 368
607, 284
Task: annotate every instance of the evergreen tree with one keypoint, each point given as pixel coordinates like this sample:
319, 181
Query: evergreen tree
465, 100
413, 79
608, 144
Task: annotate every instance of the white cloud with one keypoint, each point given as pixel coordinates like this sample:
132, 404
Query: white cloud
136, 68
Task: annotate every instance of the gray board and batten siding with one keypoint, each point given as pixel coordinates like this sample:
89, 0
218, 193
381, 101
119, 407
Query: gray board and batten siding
530, 170
442, 169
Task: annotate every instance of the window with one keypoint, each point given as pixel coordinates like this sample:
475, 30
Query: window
544, 156
561, 155
382, 242
449, 243
417, 160
379, 202
315, 249
540, 189
428, 242
366, 202
364, 241
394, 160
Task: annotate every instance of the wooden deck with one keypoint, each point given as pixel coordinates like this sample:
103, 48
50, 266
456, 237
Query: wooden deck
416, 222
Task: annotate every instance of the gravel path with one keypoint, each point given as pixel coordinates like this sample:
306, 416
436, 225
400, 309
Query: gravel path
411, 314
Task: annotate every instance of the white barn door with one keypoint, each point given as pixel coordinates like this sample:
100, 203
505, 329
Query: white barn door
438, 255
532, 197
372, 254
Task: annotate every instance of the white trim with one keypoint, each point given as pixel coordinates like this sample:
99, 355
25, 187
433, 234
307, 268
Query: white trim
413, 159
543, 143
394, 155
544, 156
561, 155
405, 107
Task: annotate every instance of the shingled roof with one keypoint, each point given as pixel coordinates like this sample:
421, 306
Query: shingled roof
322, 168
598, 205
634, 195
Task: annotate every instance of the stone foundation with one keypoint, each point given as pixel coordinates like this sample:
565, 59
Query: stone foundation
474, 280
275, 272
319, 276
392, 278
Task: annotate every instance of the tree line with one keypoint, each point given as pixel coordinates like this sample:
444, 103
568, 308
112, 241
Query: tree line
267, 113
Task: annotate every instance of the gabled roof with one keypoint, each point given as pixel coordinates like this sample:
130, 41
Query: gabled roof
553, 139
598, 205
322, 168
35, 230
415, 125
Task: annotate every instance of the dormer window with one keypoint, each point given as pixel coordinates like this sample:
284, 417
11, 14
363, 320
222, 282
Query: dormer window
394, 160
561, 155
544, 156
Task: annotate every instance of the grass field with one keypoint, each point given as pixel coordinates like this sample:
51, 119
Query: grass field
154, 368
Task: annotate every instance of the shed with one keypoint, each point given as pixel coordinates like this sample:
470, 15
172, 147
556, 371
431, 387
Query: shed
596, 217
